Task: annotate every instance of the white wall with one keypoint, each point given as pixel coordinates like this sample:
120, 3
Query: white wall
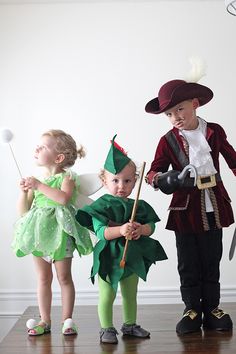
89, 68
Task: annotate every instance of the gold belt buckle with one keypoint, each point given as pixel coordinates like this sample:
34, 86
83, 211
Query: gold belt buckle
204, 182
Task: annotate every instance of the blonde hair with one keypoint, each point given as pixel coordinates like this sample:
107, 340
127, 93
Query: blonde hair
131, 163
65, 145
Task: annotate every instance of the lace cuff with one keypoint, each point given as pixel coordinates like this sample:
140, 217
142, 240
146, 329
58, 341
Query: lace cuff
151, 178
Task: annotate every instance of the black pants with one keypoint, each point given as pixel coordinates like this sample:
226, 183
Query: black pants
199, 258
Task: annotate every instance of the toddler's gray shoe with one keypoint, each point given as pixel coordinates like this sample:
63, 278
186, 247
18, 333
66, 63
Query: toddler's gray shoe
108, 335
134, 330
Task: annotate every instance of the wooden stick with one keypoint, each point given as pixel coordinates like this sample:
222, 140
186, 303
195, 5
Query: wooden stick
122, 262
13, 155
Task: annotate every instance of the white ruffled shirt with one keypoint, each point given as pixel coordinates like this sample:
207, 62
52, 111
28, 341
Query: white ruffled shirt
199, 154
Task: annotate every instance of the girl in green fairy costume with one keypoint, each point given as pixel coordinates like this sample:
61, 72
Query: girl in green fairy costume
47, 227
109, 218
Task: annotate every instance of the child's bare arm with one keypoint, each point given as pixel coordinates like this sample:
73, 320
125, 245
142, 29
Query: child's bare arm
25, 198
61, 196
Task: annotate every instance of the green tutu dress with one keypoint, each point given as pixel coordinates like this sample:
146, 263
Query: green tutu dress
141, 254
45, 228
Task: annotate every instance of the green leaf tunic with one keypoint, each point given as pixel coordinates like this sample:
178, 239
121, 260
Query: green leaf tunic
141, 253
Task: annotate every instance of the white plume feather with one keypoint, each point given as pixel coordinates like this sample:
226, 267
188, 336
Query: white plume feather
198, 69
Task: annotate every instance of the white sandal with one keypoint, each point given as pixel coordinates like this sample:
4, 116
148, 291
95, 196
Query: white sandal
69, 327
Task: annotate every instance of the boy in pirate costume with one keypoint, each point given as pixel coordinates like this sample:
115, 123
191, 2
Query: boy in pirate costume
197, 213
109, 218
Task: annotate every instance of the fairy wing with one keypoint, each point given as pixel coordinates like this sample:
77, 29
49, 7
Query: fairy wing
90, 183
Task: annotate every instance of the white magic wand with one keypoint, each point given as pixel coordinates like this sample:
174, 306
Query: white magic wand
6, 136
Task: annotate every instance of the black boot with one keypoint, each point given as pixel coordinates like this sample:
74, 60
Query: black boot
214, 318
192, 316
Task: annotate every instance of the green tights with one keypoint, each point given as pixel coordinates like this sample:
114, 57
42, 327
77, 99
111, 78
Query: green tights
107, 295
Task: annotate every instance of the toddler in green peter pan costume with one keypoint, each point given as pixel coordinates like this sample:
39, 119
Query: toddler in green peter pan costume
109, 217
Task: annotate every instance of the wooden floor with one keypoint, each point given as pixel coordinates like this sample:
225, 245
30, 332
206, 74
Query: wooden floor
160, 320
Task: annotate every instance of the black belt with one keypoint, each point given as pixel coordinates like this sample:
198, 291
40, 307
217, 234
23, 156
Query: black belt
189, 181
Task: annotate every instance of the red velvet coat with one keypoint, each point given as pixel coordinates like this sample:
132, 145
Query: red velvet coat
187, 212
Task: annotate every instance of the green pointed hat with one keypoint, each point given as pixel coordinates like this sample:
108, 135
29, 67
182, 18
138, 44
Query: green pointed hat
116, 159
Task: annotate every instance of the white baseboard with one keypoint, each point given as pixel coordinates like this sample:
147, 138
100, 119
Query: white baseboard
14, 302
